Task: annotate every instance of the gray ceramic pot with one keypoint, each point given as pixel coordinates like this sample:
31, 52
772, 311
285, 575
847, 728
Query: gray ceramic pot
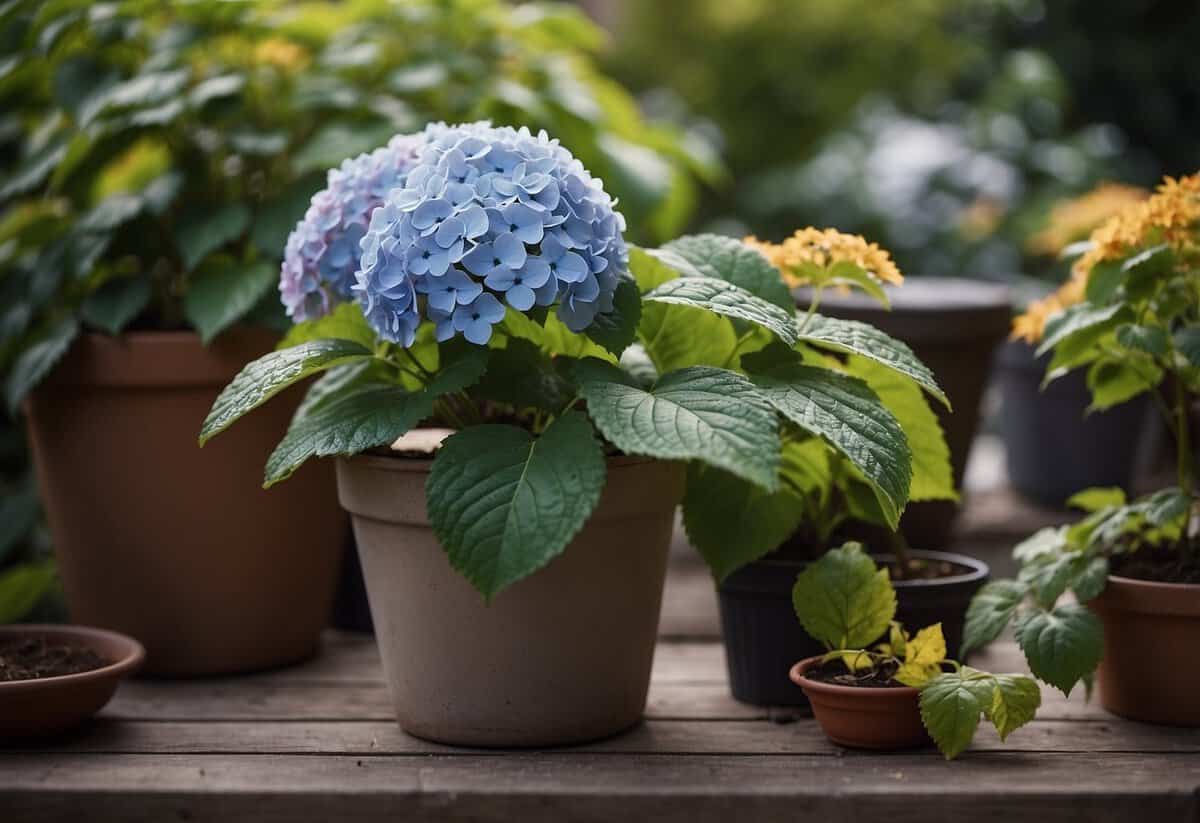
560, 657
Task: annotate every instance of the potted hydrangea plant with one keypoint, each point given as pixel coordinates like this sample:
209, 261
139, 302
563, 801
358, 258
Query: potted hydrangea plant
1133, 568
154, 159
515, 578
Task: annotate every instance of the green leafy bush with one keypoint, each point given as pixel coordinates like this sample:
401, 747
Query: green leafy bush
1130, 316
155, 155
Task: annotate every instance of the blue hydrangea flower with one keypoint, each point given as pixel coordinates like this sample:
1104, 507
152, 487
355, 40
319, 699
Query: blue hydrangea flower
488, 216
323, 251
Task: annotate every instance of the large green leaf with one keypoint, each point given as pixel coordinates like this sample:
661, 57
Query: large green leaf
223, 293
1015, 701
653, 267
951, 705
1187, 341
676, 337
116, 303
615, 330
203, 232
37, 361
345, 322
863, 339
270, 374
732, 522
721, 297
844, 600
849, 416
1114, 382
553, 337
932, 472
990, 611
698, 413
504, 504
729, 259
1063, 645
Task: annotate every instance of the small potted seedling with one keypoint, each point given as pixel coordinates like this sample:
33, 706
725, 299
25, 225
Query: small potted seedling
900, 692
1131, 568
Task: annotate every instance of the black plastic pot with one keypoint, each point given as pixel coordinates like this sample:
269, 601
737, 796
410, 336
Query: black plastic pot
1054, 448
351, 611
763, 638
954, 326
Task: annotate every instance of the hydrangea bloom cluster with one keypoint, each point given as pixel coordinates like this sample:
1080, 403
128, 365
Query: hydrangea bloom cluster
490, 216
323, 251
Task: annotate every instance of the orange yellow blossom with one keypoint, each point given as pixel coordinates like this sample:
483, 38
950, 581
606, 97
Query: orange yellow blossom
1074, 219
1171, 216
823, 248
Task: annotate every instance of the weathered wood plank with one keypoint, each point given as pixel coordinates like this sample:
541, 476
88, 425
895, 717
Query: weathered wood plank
655, 737
984, 788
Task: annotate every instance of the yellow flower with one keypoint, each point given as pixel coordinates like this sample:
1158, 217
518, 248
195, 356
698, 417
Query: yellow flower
282, 54
1073, 220
1171, 215
823, 248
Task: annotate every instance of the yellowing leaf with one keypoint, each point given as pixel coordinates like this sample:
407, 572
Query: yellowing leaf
898, 639
856, 660
927, 648
916, 674
1015, 701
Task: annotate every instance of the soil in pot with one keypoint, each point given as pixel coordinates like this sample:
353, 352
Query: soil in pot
865, 713
32, 658
179, 546
953, 325
562, 656
54, 677
1053, 446
763, 639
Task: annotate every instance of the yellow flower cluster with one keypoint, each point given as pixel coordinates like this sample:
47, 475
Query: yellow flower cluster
1073, 220
1171, 215
823, 248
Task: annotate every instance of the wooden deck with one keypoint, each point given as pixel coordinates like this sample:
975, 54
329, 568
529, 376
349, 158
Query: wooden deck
317, 742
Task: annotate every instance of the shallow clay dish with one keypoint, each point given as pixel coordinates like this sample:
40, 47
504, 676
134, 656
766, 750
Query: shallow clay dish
863, 717
53, 704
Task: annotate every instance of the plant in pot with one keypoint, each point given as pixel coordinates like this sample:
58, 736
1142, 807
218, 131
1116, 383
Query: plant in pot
903, 691
155, 157
1133, 568
590, 386
1054, 445
838, 480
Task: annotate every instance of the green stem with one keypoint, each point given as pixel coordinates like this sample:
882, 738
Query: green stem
1183, 438
812, 309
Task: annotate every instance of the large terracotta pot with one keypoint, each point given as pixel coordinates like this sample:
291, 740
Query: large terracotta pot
180, 546
1150, 670
562, 656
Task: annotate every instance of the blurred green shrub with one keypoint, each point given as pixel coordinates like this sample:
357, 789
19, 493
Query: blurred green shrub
154, 155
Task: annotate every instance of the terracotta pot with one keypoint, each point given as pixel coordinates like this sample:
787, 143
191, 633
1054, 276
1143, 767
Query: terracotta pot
175, 545
1150, 670
763, 638
863, 718
953, 325
54, 704
562, 656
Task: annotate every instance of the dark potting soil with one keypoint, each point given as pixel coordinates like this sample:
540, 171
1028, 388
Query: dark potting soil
917, 568
1161, 565
34, 658
836, 673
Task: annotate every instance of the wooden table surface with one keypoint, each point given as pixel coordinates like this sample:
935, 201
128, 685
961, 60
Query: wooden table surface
317, 742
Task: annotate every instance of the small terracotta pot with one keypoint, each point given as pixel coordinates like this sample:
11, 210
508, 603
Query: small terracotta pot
863, 718
1150, 670
176, 545
54, 704
562, 656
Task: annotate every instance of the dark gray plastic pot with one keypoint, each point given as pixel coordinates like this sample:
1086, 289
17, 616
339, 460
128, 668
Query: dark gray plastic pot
763, 638
1054, 448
